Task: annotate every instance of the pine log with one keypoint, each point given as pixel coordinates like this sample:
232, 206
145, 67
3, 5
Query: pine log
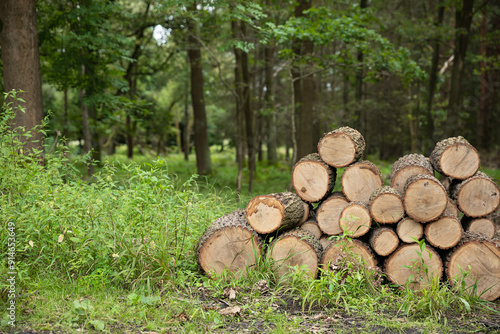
484, 226
451, 209
229, 244
328, 213
312, 178
444, 233
312, 226
477, 196
343, 250
480, 258
295, 248
355, 219
408, 265
407, 166
456, 158
359, 180
268, 213
424, 198
383, 241
341, 147
409, 231
386, 205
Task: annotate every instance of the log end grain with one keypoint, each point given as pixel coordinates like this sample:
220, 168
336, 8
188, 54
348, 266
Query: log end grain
355, 219
444, 233
328, 213
340, 251
312, 178
425, 198
341, 147
409, 231
360, 180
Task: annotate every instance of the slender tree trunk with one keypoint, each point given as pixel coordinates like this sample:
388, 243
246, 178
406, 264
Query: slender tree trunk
272, 153
21, 64
201, 145
240, 117
358, 93
87, 135
65, 131
186, 134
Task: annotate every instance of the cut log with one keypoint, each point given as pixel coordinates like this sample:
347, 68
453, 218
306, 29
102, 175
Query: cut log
444, 233
408, 230
312, 178
456, 158
359, 180
407, 166
343, 250
328, 213
341, 147
383, 241
295, 248
229, 244
407, 266
480, 258
451, 209
355, 219
326, 240
268, 213
478, 196
312, 226
424, 198
484, 226
386, 205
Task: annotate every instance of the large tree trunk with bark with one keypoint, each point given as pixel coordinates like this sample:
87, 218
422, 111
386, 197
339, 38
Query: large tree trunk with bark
21, 64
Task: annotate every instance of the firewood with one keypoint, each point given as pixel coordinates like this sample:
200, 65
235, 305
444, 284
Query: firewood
351, 250
455, 157
409, 231
424, 198
341, 147
229, 244
359, 180
386, 205
312, 178
451, 209
311, 225
444, 233
328, 213
407, 166
383, 241
268, 213
483, 225
355, 218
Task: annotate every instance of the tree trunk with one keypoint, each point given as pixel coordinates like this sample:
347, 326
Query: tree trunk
358, 93
87, 136
21, 64
272, 147
201, 145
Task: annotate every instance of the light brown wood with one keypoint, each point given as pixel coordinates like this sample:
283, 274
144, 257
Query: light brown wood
312, 226
343, 250
407, 166
268, 213
386, 205
425, 198
312, 178
484, 226
444, 233
229, 244
408, 230
383, 241
451, 209
477, 196
328, 213
355, 219
359, 180
481, 260
341, 147
407, 265
326, 240
296, 248
455, 157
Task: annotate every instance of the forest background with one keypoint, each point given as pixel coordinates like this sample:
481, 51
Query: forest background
173, 76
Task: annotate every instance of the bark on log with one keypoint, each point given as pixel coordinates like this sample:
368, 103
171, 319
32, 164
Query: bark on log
484, 226
359, 180
343, 250
424, 198
312, 178
451, 209
408, 265
229, 244
268, 213
383, 241
407, 166
341, 147
355, 218
480, 258
408, 230
444, 233
328, 213
295, 248
386, 205
456, 158
478, 196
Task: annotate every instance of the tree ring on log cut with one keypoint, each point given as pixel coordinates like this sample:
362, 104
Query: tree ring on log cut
312, 178
354, 250
425, 198
484, 226
355, 218
478, 196
360, 180
407, 166
409, 231
444, 233
328, 213
455, 157
406, 266
386, 205
384, 241
481, 261
341, 147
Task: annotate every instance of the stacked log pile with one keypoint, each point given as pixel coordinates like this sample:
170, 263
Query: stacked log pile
388, 224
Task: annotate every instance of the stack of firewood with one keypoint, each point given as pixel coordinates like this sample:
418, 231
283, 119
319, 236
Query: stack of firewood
303, 228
